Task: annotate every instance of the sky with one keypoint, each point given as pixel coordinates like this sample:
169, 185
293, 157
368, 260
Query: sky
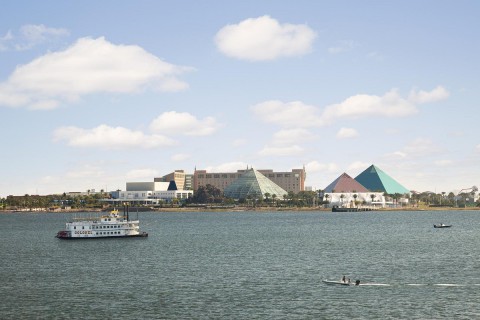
97, 93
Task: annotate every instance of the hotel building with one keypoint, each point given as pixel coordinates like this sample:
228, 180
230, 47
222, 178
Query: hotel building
289, 181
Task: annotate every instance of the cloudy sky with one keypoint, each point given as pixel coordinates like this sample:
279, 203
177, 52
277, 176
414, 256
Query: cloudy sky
97, 93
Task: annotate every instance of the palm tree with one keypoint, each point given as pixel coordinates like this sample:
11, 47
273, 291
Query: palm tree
355, 196
274, 198
267, 196
372, 196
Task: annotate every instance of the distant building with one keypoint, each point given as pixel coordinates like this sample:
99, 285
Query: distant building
180, 178
150, 193
289, 181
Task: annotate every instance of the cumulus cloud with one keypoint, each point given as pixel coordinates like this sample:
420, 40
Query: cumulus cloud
281, 151
300, 115
89, 66
288, 114
264, 38
107, 137
184, 123
347, 133
391, 104
419, 97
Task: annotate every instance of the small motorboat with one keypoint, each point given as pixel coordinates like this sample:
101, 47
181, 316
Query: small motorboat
341, 283
441, 225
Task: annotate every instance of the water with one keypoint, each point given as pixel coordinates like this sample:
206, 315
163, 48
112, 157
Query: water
245, 266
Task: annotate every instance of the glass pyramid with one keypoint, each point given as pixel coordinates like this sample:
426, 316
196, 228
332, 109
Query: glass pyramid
345, 183
376, 180
254, 184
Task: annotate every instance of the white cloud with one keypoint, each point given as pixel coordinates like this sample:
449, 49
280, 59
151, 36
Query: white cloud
443, 163
228, 167
419, 97
300, 115
396, 155
419, 147
30, 36
173, 122
347, 133
86, 171
264, 38
138, 174
107, 137
239, 142
281, 151
292, 136
315, 166
342, 46
89, 66
179, 157
390, 104
289, 114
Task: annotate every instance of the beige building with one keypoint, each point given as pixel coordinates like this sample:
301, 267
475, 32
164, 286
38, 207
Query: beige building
179, 176
289, 181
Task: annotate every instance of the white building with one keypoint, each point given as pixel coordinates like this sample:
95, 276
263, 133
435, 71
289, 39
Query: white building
355, 199
149, 193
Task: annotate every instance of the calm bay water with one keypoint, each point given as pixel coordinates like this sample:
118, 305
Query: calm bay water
245, 266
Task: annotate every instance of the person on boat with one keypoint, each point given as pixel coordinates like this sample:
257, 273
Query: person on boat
357, 283
344, 279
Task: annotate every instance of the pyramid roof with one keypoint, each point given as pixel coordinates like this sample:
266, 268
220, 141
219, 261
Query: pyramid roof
376, 180
345, 183
253, 183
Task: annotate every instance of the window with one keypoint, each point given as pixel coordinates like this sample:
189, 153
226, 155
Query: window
216, 176
208, 176
200, 176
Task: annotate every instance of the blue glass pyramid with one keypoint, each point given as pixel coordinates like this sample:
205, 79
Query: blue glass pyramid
376, 180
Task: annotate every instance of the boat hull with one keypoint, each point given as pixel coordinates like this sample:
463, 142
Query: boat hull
340, 283
440, 226
66, 237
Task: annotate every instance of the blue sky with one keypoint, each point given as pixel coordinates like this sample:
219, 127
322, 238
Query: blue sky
97, 93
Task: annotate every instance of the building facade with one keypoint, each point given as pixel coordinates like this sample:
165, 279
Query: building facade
180, 178
289, 181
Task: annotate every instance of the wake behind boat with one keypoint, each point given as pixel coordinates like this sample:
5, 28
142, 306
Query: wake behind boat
113, 225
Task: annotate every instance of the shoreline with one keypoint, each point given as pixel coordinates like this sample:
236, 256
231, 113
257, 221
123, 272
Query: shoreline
242, 209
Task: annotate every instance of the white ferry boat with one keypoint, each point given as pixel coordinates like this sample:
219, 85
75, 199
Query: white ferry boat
113, 225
